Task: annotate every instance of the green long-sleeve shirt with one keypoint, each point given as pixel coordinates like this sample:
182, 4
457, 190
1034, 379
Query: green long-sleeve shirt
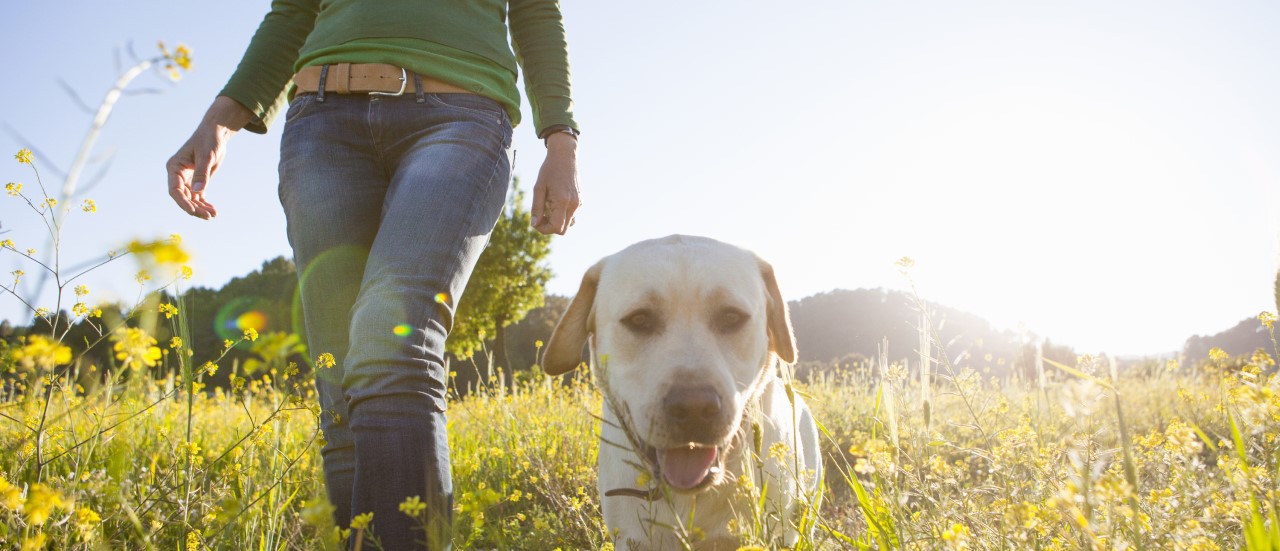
462, 42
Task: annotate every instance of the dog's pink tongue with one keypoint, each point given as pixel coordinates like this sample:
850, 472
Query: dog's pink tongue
685, 468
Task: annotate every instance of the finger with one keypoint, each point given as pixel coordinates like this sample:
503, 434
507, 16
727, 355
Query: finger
561, 206
546, 224
570, 211
557, 220
539, 203
205, 166
178, 190
207, 210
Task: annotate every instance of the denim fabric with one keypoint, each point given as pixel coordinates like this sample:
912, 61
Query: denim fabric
389, 202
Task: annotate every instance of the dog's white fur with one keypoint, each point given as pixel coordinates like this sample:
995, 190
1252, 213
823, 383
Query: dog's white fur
693, 292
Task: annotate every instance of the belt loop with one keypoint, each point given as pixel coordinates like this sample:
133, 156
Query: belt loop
417, 85
324, 73
342, 78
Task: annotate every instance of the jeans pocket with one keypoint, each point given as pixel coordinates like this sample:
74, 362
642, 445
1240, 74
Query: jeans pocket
298, 105
471, 103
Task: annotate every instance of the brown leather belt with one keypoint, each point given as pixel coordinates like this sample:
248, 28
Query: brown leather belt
363, 78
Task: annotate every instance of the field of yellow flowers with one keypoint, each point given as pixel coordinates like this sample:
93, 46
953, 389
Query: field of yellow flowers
1177, 457
141, 454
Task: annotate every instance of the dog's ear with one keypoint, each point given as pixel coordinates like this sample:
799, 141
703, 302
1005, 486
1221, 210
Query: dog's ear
782, 340
564, 351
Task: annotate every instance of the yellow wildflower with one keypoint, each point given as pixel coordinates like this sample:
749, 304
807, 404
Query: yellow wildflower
412, 506
135, 348
13, 188
1218, 355
35, 543
186, 272
41, 501
251, 334
86, 519
89, 206
40, 352
1267, 318
142, 276
778, 450
957, 537
80, 309
317, 512
81, 290
10, 495
863, 466
182, 57
325, 361
360, 522
23, 156
163, 252
8, 244
168, 310
175, 342
51, 202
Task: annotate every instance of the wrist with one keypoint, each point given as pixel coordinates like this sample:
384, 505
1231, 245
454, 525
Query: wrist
561, 142
228, 113
561, 130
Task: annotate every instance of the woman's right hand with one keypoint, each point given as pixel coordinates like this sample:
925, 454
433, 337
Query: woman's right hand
191, 168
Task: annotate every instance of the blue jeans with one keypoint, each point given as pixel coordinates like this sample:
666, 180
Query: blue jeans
389, 202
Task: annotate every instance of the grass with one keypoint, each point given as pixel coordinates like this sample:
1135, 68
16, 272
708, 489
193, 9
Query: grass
995, 469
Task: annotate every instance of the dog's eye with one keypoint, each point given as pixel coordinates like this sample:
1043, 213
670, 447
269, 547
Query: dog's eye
641, 321
730, 319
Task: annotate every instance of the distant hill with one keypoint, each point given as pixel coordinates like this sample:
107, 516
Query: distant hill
833, 325
1243, 339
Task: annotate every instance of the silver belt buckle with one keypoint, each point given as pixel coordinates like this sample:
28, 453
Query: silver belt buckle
404, 80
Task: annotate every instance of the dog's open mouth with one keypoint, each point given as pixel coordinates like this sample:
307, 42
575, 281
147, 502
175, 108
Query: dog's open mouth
687, 468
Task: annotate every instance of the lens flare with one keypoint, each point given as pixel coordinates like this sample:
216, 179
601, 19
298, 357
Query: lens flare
251, 320
311, 275
240, 315
402, 330
442, 298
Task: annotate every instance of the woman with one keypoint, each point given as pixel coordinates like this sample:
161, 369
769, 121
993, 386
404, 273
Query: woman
394, 167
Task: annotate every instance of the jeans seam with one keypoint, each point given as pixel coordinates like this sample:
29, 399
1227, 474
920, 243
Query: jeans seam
374, 142
476, 205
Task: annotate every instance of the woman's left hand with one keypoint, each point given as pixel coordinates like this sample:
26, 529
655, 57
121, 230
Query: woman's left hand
556, 196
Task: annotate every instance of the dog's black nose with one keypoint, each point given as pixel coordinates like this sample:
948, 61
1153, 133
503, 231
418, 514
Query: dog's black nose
692, 404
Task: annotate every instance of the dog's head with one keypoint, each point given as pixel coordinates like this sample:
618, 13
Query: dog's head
685, 329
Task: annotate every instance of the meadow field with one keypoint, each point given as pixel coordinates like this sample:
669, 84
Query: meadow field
128, 443
1160, 456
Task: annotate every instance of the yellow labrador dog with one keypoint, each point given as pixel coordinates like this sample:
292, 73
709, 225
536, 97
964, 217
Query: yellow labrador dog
687, 333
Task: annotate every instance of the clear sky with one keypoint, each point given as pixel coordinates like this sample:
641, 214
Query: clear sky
1106, 174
